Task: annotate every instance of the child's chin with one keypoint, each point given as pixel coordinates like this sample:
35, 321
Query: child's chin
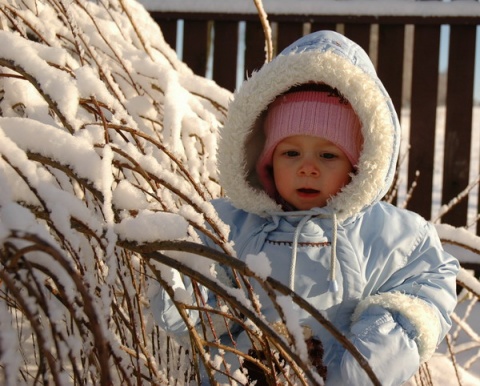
308, 202
308, 206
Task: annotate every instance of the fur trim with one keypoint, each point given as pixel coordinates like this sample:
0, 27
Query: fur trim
417, 311
242, 136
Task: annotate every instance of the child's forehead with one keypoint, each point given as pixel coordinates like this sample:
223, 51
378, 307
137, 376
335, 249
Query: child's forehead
310, 140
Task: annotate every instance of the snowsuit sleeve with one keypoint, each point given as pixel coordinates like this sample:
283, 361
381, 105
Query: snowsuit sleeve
163, 308
400, 326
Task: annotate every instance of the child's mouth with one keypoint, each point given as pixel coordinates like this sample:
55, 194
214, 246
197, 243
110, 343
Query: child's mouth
307, 191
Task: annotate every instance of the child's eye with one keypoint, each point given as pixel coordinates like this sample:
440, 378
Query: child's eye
327, 155
291, 153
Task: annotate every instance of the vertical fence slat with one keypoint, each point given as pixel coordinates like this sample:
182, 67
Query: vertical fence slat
225, 54
360, 34
287, 33
390, 55
169, 29
254, 46
195, 43
390, 60
426, 51
456, 160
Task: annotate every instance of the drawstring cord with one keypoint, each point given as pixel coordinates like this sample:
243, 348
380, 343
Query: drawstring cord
293, 262
333, 285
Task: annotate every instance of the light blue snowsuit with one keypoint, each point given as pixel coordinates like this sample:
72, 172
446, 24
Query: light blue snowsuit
395, 284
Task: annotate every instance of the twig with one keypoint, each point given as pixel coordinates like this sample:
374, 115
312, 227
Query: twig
49, 99
453, 359
464, 193
241, 267
267, 31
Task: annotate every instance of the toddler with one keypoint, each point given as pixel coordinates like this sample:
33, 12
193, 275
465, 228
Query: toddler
308, 150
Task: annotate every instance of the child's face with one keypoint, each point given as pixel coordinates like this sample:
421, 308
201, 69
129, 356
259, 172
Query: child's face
309, 170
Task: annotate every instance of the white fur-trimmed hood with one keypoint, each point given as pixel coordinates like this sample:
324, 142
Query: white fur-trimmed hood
321, 57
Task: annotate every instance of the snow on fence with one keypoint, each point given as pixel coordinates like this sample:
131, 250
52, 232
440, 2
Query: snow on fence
107, 163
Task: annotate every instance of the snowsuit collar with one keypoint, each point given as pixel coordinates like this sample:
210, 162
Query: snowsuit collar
305, 217
321, 57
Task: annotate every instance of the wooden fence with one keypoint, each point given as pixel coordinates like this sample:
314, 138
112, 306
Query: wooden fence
405, 49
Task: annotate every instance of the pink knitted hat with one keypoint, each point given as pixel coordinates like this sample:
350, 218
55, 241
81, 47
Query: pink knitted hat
315, 113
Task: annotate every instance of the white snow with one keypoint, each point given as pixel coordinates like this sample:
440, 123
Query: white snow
260, 264
148, 226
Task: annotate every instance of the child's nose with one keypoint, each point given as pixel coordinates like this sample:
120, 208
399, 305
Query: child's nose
309, 168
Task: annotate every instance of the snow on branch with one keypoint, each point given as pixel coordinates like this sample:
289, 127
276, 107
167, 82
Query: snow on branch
104, 136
